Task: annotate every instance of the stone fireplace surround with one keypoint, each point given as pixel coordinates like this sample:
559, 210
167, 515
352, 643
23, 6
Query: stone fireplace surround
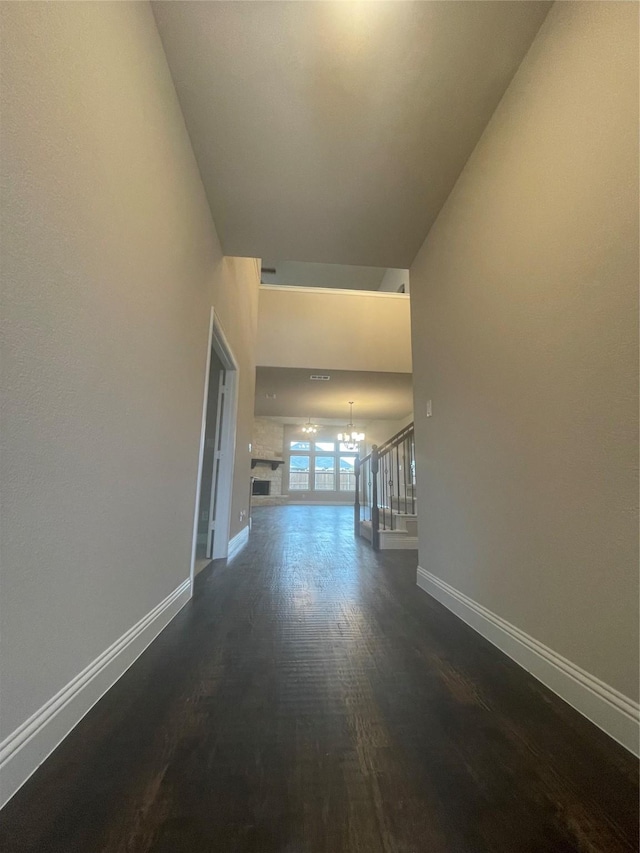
268, 443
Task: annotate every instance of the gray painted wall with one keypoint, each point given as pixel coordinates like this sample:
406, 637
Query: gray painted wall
110, 263
524, 329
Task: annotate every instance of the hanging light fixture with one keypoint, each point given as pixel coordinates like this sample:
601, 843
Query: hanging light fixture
350, 437
309, 427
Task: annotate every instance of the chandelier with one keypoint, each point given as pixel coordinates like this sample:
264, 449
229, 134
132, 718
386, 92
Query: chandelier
350, 438
309, 427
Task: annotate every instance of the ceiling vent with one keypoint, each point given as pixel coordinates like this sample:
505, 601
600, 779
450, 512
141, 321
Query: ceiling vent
318, 377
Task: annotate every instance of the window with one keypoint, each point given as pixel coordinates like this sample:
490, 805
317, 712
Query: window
325, 473
299, 472
347, 473
325, 446
321, 466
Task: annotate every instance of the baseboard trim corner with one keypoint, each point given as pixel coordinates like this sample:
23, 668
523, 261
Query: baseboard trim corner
26, 748
603, 705
237, 543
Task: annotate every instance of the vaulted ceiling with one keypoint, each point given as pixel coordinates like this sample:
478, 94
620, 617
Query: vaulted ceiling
334, 131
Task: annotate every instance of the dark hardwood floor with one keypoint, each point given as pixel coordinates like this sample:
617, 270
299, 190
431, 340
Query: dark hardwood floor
311, 699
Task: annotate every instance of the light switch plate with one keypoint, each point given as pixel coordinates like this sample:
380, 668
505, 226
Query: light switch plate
429, 409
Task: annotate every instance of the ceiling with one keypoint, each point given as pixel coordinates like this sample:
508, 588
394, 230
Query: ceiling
376, 396
333, 132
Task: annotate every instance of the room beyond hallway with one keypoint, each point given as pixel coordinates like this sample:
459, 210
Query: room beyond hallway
311, 698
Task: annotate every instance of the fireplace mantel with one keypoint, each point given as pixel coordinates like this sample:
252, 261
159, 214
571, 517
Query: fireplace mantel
273, 462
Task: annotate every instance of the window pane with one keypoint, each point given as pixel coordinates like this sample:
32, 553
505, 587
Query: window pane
299, 445
347, 473
325, 446
299, 472
325, 463
325, 473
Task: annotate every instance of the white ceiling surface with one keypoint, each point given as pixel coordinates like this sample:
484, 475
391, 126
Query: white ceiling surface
334, 131
376, 396
339, 276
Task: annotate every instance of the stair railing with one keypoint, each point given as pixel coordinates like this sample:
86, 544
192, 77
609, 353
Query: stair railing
385, 486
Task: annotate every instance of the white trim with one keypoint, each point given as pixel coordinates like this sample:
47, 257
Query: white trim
390, 540
379, 294
397, 540
605, 706
203, 429
228, 444
238, 542
219, 344
24, 750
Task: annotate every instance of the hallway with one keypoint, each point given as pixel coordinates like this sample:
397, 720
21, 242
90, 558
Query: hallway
310, 698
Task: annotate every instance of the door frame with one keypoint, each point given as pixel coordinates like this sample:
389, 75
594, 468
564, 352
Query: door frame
218, 343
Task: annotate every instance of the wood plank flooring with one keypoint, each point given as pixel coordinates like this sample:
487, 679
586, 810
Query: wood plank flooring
311, 699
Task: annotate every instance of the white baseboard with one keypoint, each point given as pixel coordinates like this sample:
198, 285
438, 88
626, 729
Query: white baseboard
390, 540
365, 530
24, 750
397, 540
237, 543
605, 706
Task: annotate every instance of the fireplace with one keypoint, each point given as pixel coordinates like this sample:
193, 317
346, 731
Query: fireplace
261, 487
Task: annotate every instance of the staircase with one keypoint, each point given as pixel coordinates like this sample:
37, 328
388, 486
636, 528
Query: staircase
386, 507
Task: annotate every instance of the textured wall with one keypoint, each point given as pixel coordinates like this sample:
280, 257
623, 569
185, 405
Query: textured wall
235, 297
339, 330
524, 315
110, 264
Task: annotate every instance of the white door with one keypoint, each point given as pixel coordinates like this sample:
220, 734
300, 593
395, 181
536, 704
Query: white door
217, 461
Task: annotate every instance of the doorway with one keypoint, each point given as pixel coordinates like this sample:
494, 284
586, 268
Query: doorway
209, 477
217, 451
